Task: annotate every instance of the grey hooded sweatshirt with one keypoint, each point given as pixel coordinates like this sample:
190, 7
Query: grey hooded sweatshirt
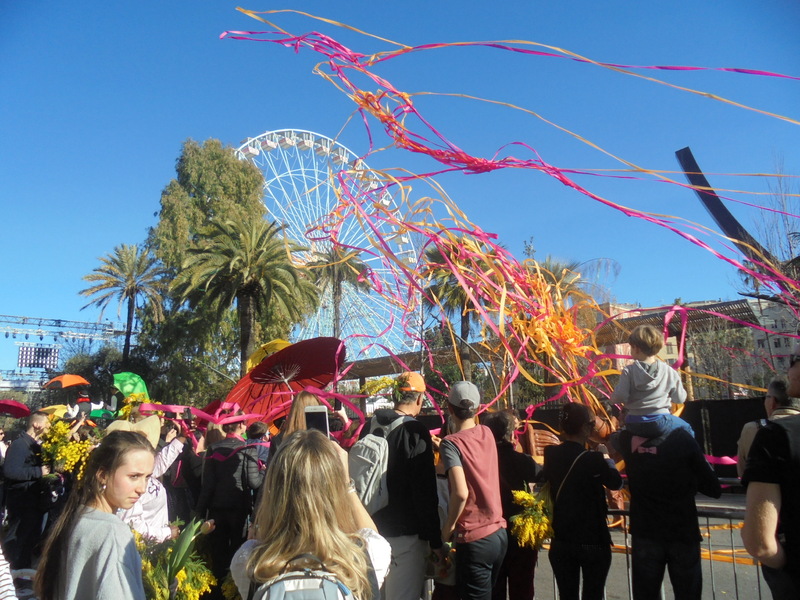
649, 389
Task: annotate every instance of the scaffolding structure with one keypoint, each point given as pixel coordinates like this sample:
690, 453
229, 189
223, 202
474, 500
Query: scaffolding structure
33, 327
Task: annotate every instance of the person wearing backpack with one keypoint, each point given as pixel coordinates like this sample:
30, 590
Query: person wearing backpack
394, 473
311, 530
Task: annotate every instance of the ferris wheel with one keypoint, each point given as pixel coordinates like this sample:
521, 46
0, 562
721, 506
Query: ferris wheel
304, 174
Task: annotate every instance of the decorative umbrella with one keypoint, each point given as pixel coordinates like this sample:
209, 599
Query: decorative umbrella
264, 351
59, 410
273, 381
65, 381
101, 413
13, 408
130, 384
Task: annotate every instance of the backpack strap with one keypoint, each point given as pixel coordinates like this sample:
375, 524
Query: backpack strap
385, 431
563, 481
304, 556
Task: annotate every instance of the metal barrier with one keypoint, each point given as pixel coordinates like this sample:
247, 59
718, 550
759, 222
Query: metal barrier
728, 571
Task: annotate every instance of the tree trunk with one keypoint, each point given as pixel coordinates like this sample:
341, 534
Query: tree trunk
246, 307
466, 361
337, 305
126, 349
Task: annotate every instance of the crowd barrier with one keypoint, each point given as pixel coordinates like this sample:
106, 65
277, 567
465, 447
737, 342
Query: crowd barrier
728, 571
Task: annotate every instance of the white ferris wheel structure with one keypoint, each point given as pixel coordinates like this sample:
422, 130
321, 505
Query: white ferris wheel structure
304, 173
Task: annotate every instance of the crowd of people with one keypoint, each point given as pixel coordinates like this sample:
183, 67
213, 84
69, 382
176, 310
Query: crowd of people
445, 501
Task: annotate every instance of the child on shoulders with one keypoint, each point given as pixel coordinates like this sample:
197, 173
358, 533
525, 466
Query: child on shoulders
648, 387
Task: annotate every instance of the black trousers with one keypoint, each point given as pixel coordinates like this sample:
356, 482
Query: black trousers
228, 535
571, 561
649, 560
25, 522
478, 565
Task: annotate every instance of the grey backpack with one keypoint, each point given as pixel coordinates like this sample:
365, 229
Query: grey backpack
368, 462
302, 584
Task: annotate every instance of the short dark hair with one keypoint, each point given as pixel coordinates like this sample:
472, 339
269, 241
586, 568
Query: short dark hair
574, 416
231, 427
502, 425
257, 430
778, 388
38, 417
461, 413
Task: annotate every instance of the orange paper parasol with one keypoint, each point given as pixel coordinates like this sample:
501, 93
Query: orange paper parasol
65, 381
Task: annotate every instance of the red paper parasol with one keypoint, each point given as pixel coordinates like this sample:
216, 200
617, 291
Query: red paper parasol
65, 381
14, 409
308, 363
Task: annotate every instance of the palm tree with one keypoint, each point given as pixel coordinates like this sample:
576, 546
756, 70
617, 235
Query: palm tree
445, 292
128, 273
332, 270
249, 262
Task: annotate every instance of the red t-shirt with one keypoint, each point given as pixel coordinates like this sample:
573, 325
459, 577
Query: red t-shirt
477, 455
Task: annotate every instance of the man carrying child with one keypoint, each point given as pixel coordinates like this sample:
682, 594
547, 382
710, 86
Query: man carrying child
648, 387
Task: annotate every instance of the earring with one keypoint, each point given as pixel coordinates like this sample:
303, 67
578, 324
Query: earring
104, 487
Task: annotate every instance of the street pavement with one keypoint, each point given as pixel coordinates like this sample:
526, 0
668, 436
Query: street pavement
722, 577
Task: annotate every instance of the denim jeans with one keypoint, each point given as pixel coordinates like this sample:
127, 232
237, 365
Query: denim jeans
662, 425
649, 558
570, 561
478, 565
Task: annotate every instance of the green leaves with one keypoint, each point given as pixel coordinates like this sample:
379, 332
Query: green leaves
248, 262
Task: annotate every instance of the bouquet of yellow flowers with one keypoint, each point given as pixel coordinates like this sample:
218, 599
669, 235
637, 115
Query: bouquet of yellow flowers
131, 402
374, 387
172, 570
533, 525
66, 455
229, 589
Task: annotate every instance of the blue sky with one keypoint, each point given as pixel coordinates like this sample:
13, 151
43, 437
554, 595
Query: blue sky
96, 101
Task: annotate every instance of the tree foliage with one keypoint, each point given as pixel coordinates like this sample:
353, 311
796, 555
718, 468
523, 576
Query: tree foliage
196, 348
210, 184
189, 363
249, 263
727, 356
128, 274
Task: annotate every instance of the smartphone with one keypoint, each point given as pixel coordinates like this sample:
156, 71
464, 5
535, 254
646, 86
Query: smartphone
317, 418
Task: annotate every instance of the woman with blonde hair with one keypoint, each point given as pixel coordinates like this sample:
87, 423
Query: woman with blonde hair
90, 552
295, 420
309, 508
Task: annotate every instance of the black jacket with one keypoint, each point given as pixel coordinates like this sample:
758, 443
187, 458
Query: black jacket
411, 480
23, 466
579, 514
664, 475
516, 470
230, 475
